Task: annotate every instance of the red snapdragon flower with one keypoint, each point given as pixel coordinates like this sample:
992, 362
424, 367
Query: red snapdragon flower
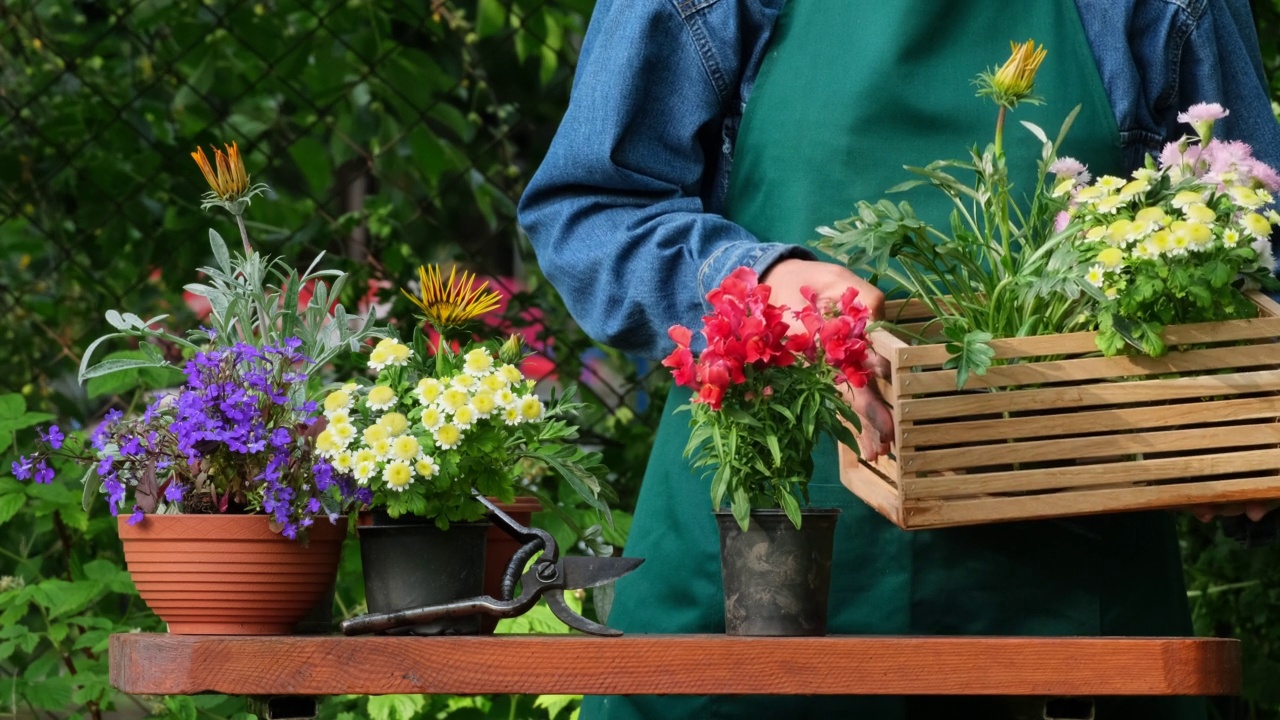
745, 330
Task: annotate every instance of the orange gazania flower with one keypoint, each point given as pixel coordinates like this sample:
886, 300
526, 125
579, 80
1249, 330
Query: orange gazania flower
229, 182
450, 304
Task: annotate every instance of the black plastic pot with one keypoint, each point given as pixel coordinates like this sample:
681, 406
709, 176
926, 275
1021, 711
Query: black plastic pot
776, 578
408, 562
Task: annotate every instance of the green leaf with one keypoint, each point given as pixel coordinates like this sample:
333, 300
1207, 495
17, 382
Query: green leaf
774, 450
10, 505
107, 367
395, 707
180, 707
741, 505
91, 483
49, 693
554, 704
971, 355
491, 17
791, 507
220, 253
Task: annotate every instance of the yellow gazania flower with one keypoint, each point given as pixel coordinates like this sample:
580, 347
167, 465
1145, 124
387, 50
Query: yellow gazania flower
1111, 257
397, 476
228, 181
375, 433
394, 423
447, 306
405, 448
1015, 80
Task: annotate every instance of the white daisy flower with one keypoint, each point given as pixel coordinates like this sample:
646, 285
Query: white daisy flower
397, 475
464, 417
477, 363
381, 397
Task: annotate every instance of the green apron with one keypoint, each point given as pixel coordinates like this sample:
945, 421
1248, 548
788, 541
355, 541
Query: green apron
849, 93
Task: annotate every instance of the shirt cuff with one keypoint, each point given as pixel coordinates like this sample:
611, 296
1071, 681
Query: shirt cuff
756, 255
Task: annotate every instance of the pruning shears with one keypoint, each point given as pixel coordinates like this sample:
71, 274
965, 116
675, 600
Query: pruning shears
549, 577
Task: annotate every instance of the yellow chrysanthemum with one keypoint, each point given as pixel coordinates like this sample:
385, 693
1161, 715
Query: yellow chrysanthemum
335, 401
428, 390
1191, 235
389, 352
506, 398
477, 363
1097, 232
1148, 174
447, 436
397, 476
465, 382
382, 448
511, 415
1110, 183
426, 466
350, 387
1147, 250
1108, 205
378, 358
1163, 240
341, 463
484, 403
1199, 213
1230, 237
1111, 257
493, 382
1245, 196
339, 417
381, 397
1185, 198
432, 417
1151, 216
364, 456
326, 444
449, 305
343, 433
1064, 186
454, 398
1095, 276
464, 417
1134, 188
530, 408
394, 423
405, 448
365, 471
1092, 192
373, 434
511, 374
1256, 225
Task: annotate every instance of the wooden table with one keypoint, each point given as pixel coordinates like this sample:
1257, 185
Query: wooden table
152, 664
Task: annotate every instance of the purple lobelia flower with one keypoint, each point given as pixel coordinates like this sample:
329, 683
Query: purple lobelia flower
53, 437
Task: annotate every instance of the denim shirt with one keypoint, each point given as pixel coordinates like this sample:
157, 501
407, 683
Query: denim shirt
624, 212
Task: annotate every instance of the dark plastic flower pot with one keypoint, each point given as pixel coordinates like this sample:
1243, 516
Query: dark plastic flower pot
408, 562
501, 548
776, 578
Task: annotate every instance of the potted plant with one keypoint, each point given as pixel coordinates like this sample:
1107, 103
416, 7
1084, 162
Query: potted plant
232, 519
764, 392
435, 426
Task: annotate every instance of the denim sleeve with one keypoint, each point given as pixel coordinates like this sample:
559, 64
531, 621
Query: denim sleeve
1220, 62
616, 213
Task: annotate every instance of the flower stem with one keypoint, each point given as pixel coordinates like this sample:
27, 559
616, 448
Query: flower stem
244, 232
999, 133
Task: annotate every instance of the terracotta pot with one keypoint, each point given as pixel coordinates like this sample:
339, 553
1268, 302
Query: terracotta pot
229, 574
500, 548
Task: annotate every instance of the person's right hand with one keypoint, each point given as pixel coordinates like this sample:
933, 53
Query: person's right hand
829, 281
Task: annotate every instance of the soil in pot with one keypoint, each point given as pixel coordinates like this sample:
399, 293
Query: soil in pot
777, 578
408, 563
229, 574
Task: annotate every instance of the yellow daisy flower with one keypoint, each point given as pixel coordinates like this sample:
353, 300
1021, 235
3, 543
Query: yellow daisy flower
447, 436
381, 448
428, 390
381, 397
339, 417
1111, 257
511, 415
341, 463
454, 398
1110, 183
343, 433
493, 382
373, 434
405, 448
484, 403
335, 401
511, 374
477, 363
394, 423
505, 398
1185, 198
1151, 216
1199, 213
465, 416
432, 417
426, 466
465, 382
1095, 276
1109, 204
1256, 225
530, 408
1134, 188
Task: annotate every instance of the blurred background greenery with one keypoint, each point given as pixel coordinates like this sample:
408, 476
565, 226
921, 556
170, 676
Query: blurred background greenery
393, 133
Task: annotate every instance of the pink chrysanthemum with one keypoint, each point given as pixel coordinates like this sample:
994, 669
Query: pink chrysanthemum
1203, 112
1069, 167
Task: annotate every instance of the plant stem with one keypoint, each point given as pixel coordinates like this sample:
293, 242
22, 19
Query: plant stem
1000, 132
244, 232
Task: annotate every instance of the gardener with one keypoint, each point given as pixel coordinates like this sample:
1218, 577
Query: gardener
635, 216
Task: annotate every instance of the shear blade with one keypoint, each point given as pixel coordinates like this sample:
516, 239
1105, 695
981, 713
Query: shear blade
555, 601
581, 572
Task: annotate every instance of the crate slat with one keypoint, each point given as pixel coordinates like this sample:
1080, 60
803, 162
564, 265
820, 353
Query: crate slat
1093, 395
1095, 446
1095, 368
1083, 476
1080, 423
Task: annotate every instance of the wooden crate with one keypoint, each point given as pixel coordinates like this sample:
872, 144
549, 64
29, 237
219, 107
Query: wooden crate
1060, 430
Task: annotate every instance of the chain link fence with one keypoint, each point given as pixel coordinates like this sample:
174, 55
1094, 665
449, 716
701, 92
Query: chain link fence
392, 132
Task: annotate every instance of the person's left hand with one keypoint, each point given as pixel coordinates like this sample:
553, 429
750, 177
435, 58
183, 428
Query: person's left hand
1255, 511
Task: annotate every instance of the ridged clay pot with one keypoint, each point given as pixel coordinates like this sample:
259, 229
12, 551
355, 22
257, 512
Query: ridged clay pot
229, 574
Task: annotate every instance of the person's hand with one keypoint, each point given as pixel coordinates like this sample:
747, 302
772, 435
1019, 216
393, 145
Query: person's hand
1254, 510
829, 281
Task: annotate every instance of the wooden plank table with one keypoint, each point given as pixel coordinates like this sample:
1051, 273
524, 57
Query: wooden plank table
153, 664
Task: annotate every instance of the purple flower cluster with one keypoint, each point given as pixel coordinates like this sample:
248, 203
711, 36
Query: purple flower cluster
236, 438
